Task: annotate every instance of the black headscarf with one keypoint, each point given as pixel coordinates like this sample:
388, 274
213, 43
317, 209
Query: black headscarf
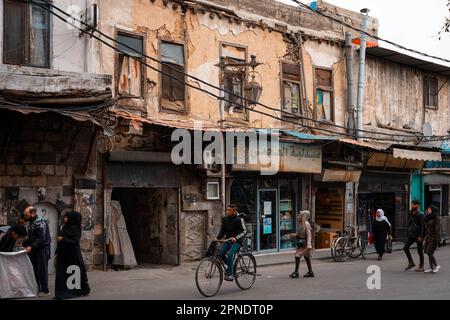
433, 214
72, 228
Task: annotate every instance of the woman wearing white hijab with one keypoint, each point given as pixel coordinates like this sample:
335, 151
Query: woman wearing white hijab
381, 231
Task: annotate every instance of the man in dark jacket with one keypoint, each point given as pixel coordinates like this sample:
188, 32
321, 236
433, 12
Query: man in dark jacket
38, 247
233, 228
415, 234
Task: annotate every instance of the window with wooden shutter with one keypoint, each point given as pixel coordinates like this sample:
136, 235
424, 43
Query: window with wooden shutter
173, 87
234, 77
324, 104
291, 89
26, 34
430, 92
130, 70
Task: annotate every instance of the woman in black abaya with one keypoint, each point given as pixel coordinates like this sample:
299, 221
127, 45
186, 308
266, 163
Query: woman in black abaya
68, 254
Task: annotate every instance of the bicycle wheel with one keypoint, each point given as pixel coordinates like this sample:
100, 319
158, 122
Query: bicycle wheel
341, 253
356, 249
245, 271
208, 277
333, 249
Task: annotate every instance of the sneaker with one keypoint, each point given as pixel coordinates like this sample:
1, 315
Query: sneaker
420, 269
294, 275
229, 278
309, 275
428, 270
410, 266
436, 269
43, 294
380, 258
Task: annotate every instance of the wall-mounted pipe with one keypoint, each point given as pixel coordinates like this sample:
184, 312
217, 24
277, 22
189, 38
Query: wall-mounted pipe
362, 64
350, 100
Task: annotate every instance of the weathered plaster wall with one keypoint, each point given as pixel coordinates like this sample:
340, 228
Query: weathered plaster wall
393, 96
323, 55
191, 29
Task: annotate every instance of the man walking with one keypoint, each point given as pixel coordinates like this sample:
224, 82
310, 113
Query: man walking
38, 247
415, 234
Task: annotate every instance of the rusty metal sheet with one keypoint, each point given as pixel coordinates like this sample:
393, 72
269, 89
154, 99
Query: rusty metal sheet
382, 160
341, 175
417, 155
371, 145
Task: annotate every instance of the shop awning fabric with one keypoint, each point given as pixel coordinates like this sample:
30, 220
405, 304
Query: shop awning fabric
417, 155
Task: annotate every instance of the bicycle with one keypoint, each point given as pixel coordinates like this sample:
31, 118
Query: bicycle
211, 270
348, 244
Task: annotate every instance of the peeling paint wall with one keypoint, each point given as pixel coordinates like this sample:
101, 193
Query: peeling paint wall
191, 28
393, 97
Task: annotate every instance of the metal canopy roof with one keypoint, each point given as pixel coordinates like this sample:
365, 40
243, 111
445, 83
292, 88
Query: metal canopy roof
401, 58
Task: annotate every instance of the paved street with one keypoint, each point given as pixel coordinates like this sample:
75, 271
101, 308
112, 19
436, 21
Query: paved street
333, 281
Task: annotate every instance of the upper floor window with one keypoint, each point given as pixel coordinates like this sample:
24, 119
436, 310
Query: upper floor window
324, 105
291, 81
26, 34
173, 77
234, 77
130, 70
430, 92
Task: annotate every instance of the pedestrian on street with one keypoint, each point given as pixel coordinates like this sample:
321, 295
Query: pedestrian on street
13, 240
68, 254
381, 230
303, 239
37, 246
415, 234
432, 236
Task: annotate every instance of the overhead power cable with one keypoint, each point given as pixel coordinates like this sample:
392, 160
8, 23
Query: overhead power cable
91, 34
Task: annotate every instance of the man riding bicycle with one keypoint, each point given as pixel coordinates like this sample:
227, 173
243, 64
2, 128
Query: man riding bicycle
233, 228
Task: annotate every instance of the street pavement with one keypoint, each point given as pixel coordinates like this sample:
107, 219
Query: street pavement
333, 280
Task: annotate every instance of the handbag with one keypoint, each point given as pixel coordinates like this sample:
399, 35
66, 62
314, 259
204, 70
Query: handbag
371, 238
301, 243
389, 245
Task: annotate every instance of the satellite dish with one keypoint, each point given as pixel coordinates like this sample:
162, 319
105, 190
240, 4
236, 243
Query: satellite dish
427, 130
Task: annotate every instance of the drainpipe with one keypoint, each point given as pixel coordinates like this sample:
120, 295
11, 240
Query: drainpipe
222, 126
362, 64
350, 100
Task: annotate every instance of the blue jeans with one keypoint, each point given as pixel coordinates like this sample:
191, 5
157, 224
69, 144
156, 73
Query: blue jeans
231, 249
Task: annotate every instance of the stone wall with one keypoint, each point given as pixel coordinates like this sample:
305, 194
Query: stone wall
45, 159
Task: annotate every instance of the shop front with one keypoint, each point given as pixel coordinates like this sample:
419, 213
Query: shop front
270, 203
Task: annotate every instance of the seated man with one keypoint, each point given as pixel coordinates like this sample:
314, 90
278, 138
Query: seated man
233, 228
13, 239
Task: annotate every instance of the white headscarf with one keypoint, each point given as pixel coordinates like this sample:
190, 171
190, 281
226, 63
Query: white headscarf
382, 217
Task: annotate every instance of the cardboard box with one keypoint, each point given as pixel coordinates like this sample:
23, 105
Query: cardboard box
326, 239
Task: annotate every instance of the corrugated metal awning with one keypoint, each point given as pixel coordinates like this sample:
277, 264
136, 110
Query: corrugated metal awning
308, 136
417, 155
371, 145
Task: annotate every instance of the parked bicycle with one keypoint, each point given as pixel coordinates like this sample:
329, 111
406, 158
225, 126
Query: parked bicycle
210, 271
348, 244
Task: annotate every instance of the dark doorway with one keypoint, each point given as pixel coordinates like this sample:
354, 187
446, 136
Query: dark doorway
368, 203
151, 218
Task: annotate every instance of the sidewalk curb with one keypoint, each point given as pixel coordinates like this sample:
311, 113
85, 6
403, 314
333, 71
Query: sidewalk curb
328, 257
